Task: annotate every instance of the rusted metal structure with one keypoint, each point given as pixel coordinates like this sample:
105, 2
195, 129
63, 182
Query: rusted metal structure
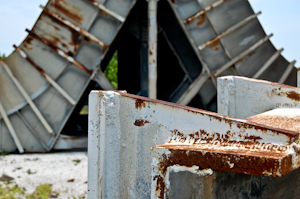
170, 50
193, 150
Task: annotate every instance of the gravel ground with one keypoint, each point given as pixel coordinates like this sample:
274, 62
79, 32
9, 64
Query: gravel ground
65, 171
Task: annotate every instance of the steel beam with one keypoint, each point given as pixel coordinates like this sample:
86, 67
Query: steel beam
287, 72
27, 98
60, 52
47, 77
243, 54
74, 27
152, 53
108, 11
268, 63
243, 97
11, 129
123, 128
229, 30
216, 4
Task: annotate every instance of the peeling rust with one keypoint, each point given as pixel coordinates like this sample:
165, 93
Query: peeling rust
257, 163
101, 12
206, 141
214, 45
160, 186
140, 122
30, 61
293, 95
201, 20
139, 104
28, 43
58, 39
72, 12
74, 27
67, 56
190, 19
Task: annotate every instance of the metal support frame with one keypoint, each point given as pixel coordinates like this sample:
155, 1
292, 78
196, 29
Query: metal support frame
32, 131
243, 54
27, 98
108, 11
74, 27
287, 72
193, 89
183, 138
47, 77
216, 4
60, 52
152, 53
11, 129
268, 63
229, 30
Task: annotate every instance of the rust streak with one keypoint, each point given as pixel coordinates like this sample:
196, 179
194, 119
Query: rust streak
293, 95
74, 27
65, 55
140, 122
214, 45
201, 20
160, 186
30, 61
72, 12
139, 104
257, 163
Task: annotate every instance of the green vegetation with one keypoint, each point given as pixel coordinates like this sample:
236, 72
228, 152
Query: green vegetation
8, 192
77, 161
4, 153
111, 71
30, 172
2, 55
42, 191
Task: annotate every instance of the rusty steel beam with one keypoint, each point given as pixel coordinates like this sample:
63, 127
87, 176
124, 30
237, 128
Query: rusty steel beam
229, 30
74, 27
60, 52
47, 77
216, 4
179, 136
108, 11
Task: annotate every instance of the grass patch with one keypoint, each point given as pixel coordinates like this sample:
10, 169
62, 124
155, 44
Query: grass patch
43, 191
11, 192
77, 161
30, 172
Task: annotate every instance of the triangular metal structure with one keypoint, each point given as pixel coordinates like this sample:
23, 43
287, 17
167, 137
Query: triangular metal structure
175, 51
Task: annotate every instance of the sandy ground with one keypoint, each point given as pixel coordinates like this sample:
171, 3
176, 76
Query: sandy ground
65, 171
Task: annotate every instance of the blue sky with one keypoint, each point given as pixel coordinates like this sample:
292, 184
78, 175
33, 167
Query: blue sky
278, 16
